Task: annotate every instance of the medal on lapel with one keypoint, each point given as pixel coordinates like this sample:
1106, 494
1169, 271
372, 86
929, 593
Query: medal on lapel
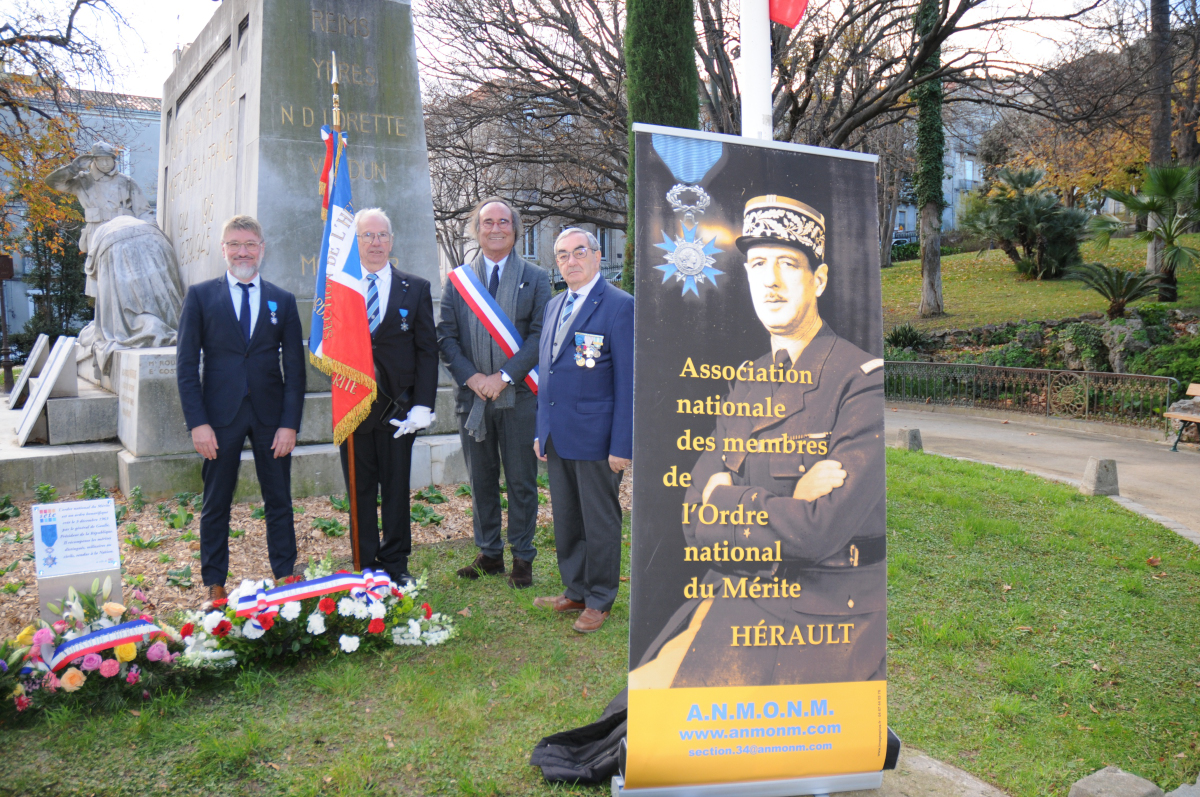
689, 257
273, 307
403, 320
587, 349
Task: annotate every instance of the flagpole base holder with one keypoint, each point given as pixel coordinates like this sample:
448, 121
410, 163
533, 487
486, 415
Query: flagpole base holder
792, 787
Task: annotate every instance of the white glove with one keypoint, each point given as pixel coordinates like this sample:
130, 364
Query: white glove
420, 417
402, 427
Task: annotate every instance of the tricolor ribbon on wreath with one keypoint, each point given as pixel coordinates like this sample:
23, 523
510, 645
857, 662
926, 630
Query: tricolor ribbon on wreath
494, 320
375, 585
104, 639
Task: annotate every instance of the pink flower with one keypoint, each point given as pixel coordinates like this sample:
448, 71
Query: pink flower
157, 652
50, 682
147, 618
60, 626
91, 661
134, 675
137, 593
43, 636
145, 694
109, 668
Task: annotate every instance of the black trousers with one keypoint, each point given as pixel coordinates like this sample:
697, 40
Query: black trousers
382, 463
586, 498
220, 479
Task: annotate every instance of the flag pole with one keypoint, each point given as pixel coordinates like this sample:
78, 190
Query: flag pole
754, 77
352, 485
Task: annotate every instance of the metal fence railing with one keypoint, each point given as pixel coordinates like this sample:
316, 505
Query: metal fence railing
1125, 399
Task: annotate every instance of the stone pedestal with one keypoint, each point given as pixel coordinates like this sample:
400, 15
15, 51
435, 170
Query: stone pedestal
1100, 477
909, 439
90, 417
151, 419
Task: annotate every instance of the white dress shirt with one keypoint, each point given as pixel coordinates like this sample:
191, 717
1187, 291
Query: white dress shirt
383, 284
560, 329
235, 293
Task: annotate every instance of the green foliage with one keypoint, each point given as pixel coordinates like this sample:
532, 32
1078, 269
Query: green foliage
420, 513
463, 490
431, 495
892, 354
4, 571
92, 489
661, 82
44, 494
163, 511
1116, 285
188, 536
1088, 340
912, 251
180, 518
136, 540
137, 501
931, 137
56, 275
258, 513
181, 578
543, 481
340, 503
330, 527
904, 336
13, 587
120, 511
7, 510
1013, 355
1180, 360
235, 533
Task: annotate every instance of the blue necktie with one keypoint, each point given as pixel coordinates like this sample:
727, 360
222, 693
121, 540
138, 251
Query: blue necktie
373, 302
244, 315
566, 313
494, 282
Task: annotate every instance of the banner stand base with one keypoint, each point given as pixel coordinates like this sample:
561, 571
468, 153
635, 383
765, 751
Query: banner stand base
828, 784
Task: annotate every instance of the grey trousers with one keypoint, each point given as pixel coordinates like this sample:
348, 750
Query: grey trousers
587, 527
509, 440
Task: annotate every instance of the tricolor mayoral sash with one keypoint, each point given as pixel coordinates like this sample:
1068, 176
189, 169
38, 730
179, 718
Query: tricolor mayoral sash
494, 320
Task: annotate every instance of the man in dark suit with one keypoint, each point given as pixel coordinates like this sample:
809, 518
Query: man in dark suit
804, 481
243, 325
585, 427
496, 410
404, 345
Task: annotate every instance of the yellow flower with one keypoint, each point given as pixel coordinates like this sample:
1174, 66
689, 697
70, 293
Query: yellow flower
126, 652
25, 638
72, 679
20, 690
113, 610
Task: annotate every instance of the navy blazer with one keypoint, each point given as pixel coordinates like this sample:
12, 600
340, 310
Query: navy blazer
588, 412
232, 364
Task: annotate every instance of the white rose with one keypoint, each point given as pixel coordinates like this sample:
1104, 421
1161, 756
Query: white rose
290, 610
211, 619
348, 607
316, 623
378, 610
252, 630
348, 643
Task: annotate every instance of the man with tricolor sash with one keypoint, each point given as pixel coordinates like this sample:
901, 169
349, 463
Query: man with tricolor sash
489, 333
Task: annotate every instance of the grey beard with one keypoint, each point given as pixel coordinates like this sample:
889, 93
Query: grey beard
240, 272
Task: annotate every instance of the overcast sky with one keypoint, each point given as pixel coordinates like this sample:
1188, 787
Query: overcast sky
141, 54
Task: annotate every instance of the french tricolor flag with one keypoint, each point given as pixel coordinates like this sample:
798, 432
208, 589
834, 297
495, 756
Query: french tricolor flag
340, 341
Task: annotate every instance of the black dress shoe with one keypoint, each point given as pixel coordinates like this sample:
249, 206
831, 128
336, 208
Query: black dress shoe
404, 580
483, 566
522, 574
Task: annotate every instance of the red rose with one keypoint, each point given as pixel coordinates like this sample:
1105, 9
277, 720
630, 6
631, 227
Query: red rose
341, 572
397, 593
375, 626
291, 579
22, 702
147, 618
219, 602
222, 628
428, 610
327, 605
187, 630
266, 621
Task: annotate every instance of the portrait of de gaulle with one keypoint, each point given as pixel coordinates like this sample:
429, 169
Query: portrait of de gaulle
815, 468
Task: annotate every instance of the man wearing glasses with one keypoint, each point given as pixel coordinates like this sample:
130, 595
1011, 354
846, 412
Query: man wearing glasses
496, 407
585, 427
404, 346
246, 328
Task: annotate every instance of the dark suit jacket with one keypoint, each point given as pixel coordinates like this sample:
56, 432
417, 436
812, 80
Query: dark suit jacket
454, 335
588, 411
406, 361
209, 324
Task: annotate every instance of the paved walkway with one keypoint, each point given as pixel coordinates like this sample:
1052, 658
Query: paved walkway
1165, 483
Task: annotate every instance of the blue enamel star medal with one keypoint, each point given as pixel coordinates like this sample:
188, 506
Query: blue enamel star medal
689, 256
403, 320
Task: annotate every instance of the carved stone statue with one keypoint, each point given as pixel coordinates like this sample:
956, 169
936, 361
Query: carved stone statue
131, 267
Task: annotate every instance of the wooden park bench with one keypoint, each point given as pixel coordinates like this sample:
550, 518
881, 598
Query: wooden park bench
1185, 418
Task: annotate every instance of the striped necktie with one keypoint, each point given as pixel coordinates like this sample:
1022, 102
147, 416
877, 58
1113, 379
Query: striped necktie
373, 302
570, 304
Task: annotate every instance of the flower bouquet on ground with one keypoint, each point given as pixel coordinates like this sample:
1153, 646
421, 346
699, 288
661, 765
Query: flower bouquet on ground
100, 651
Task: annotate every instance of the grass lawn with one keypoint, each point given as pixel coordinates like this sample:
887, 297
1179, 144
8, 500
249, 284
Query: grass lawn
1088, 659
983, 288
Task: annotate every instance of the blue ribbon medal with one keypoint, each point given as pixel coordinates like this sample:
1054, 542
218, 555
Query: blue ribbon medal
272, 306
403, 320
689, 257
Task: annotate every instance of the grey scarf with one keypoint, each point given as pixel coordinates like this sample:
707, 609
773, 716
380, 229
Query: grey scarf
487, 353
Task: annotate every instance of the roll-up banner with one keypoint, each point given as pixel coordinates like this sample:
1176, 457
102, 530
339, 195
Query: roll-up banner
758, 625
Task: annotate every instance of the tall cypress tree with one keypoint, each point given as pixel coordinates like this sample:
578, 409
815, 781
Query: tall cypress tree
661, 83
931, 150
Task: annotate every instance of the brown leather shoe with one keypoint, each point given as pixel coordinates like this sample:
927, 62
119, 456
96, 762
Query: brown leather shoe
216, 592
590, 621
559, 603
522, 574
483, 566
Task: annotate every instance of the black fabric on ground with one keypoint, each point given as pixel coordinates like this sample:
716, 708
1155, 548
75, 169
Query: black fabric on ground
588, 754
893, 751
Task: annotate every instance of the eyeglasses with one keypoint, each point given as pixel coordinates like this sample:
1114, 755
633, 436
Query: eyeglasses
579, 253
369, 237
249, 246
503, 224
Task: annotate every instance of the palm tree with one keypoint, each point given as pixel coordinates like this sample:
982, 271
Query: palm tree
1118, 286
1167, 200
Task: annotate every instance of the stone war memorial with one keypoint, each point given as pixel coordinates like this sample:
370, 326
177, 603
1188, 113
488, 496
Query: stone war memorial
241, 126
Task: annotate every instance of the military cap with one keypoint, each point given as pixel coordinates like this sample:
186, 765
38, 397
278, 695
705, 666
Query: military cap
778, 220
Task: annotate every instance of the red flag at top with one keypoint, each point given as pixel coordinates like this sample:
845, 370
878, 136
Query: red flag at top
788, 12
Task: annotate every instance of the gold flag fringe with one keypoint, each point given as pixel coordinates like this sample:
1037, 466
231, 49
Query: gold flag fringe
350, 421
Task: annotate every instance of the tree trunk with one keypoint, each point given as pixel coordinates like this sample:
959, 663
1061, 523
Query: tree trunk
1168, 289
891, 205
931, 261
1160, 109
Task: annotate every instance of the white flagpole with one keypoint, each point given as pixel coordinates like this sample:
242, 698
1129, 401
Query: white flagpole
755, 72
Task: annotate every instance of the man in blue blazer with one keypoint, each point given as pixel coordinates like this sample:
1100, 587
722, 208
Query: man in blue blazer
243, 325
585, 427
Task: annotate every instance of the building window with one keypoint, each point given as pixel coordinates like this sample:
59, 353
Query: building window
602, 235
529, 242
902, 220
969, 169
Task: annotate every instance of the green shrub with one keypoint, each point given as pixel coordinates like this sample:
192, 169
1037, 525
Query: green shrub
1013, 355
92, 489
904, 336
892, 354
1088, 341
912, 251
1180, 360
44, 494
